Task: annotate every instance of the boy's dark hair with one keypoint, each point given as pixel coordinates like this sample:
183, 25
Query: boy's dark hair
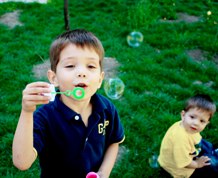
202, 102
79, 37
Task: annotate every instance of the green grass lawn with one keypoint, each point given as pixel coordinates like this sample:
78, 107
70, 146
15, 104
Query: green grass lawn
177, 59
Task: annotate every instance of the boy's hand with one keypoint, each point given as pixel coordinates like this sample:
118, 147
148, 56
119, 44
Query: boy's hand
203, 161
33, 95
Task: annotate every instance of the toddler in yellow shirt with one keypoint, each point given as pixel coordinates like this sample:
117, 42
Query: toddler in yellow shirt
183, 152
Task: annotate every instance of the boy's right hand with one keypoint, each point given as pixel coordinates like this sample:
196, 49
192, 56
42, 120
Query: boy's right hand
33, 95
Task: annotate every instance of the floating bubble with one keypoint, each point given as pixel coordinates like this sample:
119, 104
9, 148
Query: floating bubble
114, 88
134, 39
153, 161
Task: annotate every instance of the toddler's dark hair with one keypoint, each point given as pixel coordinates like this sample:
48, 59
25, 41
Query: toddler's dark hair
202, 102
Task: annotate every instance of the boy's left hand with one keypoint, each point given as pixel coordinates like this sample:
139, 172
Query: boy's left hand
203, 161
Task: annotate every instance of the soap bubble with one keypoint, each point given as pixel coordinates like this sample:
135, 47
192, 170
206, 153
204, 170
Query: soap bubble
114, 88
153, 161
134, 39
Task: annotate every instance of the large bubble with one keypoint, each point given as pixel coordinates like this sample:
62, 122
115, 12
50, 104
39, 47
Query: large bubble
114, 88
134, 39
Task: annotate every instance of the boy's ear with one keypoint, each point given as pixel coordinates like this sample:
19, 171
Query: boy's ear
52, 78
101, 79
182, 114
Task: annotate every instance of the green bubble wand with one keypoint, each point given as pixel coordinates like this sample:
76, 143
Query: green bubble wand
77, 93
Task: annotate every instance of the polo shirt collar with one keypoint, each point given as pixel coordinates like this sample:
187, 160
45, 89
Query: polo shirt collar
97, 103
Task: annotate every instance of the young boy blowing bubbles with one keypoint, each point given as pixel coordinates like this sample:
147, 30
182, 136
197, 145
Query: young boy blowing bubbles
179, 152
72, 137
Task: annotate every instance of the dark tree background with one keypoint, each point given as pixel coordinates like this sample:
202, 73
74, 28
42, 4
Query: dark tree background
66, 16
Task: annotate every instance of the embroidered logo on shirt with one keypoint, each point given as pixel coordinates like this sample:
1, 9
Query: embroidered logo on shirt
102, 127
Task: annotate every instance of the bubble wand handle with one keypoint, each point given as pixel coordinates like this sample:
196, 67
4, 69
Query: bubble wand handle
57, 92
77, 93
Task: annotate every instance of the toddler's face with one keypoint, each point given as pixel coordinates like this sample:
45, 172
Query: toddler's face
79, 67
195, 120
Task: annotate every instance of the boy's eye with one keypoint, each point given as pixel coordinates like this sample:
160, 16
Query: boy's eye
91, 66
192, 117
202, 121
69, 66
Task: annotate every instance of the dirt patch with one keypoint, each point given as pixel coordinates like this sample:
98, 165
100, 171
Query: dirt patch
110, 66
183, 17
200, 55
122, 151
40, 70
215, 59
11, 19
25, 1
197, 54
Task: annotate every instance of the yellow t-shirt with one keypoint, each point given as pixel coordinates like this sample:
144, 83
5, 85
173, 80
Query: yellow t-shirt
177, 150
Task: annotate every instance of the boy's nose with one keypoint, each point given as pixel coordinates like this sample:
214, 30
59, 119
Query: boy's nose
196, 122
81, 72
81, 75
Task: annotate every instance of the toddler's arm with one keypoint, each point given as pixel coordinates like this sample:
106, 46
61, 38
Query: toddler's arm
199, 162
109, 160
24, 153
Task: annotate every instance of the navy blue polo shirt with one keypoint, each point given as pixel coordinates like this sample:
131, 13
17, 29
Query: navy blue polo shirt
66, 147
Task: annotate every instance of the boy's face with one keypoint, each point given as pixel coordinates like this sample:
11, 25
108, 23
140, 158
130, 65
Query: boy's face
78, 67
195, 120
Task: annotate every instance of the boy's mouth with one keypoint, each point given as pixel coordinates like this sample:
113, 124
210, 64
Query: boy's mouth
193, 128
82, 85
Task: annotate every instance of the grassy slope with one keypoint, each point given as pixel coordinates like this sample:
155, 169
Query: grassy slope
158, 75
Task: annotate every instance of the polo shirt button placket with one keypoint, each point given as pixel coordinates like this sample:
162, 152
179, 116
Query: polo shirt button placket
76, 118
86, 140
